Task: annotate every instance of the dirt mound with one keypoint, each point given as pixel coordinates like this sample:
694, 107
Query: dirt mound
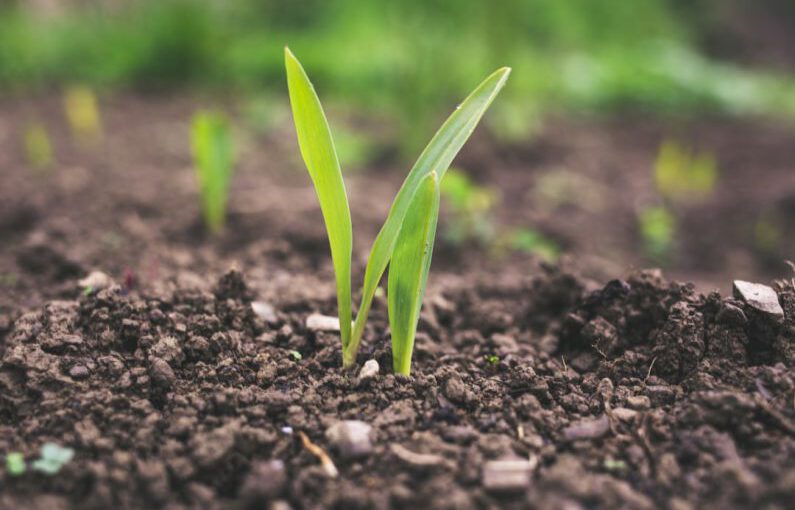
539, 393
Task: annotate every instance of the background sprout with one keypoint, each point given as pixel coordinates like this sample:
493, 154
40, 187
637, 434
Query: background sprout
38, 149
657, 227
213, 156
681, 174
320, 157
82, 113
15, 464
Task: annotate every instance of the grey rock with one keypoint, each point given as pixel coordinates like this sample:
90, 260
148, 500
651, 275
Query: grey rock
265, 311
507, 475
369, 370
95, 281
587, 429
758, 296
351, 438
79, 372
455, 390
161, 373
318, 322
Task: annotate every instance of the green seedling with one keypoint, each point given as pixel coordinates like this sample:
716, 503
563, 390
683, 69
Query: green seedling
297, 356
681, 174
38, 149
82, 113
214, 159
406, 238
469, 206
657, 227
52, 458
534, 242
15, 464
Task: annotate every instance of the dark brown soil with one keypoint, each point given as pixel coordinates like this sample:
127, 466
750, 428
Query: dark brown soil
640, 393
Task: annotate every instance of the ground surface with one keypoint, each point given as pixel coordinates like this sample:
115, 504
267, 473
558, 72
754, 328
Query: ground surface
172, 392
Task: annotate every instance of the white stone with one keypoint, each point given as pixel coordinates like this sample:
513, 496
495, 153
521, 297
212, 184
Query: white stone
369, 370
318, 322
351, 438
507, 475
758, 296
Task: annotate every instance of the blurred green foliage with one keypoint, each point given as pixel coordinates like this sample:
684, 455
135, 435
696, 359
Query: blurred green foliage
38, 149
214, 158
386, 56
681, 174
469, 207
657, 228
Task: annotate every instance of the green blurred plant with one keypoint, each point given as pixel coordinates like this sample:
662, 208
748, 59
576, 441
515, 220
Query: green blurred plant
38, 149
82, 113
469, 206
534, 242
681, 174
405, 242
657, 228
15, 464
214, 159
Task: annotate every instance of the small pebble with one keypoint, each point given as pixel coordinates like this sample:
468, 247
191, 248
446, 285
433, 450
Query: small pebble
369, 370
351, 438
318, 322
587, 429
95, 281
416, 460
79, 372
507, 475
161, 373
758, 296
265, 311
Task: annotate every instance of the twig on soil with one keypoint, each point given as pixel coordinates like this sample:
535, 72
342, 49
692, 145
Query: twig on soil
565, 368
651, 365
642, 437
320, 453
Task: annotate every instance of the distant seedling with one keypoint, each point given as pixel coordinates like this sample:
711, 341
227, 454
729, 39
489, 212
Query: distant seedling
469, 208
38, 149
214, 159
657, 227
405, 242
681, 174
82, 113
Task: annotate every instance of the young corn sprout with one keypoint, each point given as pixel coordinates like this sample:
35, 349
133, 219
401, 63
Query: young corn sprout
214, 158
405, 242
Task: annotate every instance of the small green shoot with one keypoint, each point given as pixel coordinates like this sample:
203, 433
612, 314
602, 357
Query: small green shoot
534, 242
414, 205
53, 457
492, 359
82, 113
297, 356
469, 208
681, 174
214, 158
38, 149
15, 464
657, 227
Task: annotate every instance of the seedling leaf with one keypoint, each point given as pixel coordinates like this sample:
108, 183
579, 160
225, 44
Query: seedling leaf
408, 271
320, 157
436, 157
53, 458
213, 155
15, 464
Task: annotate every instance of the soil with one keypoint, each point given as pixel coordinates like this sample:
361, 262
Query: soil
174, 393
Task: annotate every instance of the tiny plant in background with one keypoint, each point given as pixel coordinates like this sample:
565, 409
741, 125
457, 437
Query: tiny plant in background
38, 149
82, 113
214, 159
469, 206
657, 228
405, 242
681, 174
15, 464
532, 241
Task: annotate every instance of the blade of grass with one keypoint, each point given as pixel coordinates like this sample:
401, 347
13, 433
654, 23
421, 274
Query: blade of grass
320, 157
408, 271
213, 154
436, 157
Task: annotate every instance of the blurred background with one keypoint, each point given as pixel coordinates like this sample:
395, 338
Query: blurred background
631, 134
